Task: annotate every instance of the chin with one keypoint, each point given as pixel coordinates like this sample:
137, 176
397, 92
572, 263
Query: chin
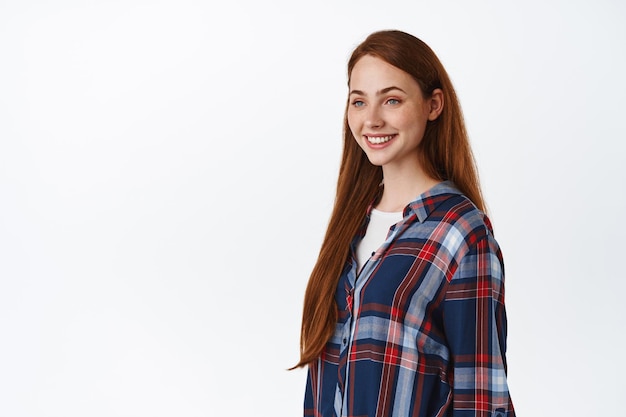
378, 158
376, 162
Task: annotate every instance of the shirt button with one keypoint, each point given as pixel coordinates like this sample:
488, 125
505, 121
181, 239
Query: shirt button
345, 340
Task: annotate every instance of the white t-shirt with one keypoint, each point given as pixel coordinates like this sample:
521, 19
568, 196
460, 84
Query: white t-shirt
377, 230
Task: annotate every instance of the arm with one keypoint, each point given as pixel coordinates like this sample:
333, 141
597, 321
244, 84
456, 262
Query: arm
475, 327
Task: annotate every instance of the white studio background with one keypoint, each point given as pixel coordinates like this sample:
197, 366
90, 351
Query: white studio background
167, 169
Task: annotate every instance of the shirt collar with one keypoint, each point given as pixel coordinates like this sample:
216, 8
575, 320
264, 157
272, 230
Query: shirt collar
423, 205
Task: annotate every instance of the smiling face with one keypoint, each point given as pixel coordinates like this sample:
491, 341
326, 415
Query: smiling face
387, 113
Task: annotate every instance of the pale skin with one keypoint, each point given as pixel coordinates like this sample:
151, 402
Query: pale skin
387, 114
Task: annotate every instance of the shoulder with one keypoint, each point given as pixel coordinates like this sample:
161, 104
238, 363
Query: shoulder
448, 220
458, 211
459, 224
467, 238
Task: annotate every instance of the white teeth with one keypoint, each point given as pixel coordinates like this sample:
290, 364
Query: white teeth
378, 139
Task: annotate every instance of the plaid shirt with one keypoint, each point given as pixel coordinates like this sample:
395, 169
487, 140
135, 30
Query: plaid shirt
422, 328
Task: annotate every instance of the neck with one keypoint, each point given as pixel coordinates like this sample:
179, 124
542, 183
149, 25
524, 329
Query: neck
400, 188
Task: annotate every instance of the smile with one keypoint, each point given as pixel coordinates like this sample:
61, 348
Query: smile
377, 140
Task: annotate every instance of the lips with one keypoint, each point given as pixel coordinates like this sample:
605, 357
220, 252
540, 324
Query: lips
377, 140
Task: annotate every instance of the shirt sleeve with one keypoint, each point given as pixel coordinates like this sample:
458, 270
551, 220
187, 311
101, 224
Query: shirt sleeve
475, 327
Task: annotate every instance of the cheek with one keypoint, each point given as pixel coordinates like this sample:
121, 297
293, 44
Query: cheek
407, 117
412, 121
353, 124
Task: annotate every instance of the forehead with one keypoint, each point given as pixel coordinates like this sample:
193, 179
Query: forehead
372, 73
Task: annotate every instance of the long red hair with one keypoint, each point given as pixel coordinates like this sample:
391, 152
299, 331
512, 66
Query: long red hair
445, 154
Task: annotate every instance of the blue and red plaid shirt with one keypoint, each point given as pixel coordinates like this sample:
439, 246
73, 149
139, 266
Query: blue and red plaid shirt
422, 328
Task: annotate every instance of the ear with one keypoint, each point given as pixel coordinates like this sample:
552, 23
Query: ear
436, 104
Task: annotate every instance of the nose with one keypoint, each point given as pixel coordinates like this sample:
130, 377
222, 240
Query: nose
374, 119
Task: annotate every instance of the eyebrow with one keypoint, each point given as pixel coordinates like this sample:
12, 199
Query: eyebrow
379, 92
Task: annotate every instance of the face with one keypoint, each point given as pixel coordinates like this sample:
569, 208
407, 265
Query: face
387, 113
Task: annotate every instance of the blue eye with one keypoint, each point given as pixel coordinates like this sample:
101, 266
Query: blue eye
358, 103
393, 101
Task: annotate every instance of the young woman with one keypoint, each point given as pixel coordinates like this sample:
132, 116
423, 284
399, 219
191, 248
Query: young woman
404, 310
